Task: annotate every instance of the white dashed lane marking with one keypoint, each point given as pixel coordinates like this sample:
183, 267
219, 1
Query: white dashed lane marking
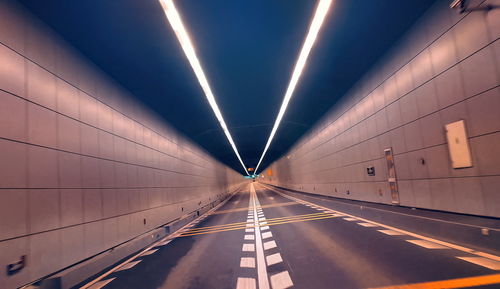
149, 252
247, 262
488, 263
163, 243
267, 235
246, 283
129, 265
248, 248
367, 224
249, 237
391, 232
269, 245
281, 280
427, 244
273, 259
101, 284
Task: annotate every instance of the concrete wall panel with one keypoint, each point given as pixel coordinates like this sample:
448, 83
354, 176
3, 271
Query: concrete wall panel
444, 69
82, 163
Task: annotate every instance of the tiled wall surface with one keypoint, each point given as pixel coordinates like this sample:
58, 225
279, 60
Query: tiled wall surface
83, 167
444, 69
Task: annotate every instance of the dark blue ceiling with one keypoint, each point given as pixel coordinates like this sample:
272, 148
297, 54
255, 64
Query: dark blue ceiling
247, 49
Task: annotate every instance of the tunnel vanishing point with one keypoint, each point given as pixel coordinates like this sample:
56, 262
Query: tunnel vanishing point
250, 144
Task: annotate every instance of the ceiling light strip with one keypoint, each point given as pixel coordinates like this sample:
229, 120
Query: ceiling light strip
316, 23
176, 23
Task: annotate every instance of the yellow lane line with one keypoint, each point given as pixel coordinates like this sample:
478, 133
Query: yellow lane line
269, 224
251, 224
450, 284
244, 223
221, 226
264, 206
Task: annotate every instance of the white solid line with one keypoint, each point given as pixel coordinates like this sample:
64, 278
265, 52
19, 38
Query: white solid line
246, 283
149, 252
488, 263
367, 225
391, 232
427, 244
249, 237
129, 265
101, 284
261, 262
267, 235
248, 248
247, 262
281, 280
274, 259
269, 245
350, 219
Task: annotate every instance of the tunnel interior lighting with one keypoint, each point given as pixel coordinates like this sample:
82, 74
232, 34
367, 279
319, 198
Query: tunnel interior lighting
184, 40
318, 19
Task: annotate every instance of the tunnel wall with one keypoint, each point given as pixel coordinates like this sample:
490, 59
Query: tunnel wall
444, 69
83, 166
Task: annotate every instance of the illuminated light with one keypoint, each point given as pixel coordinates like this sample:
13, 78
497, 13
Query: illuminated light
316, 23
175, 21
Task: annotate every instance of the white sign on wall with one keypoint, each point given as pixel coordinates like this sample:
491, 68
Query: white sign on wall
458, 145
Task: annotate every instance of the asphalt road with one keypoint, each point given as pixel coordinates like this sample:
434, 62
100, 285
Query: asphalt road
263, 238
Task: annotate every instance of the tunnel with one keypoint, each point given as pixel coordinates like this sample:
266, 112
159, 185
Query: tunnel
260, 144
